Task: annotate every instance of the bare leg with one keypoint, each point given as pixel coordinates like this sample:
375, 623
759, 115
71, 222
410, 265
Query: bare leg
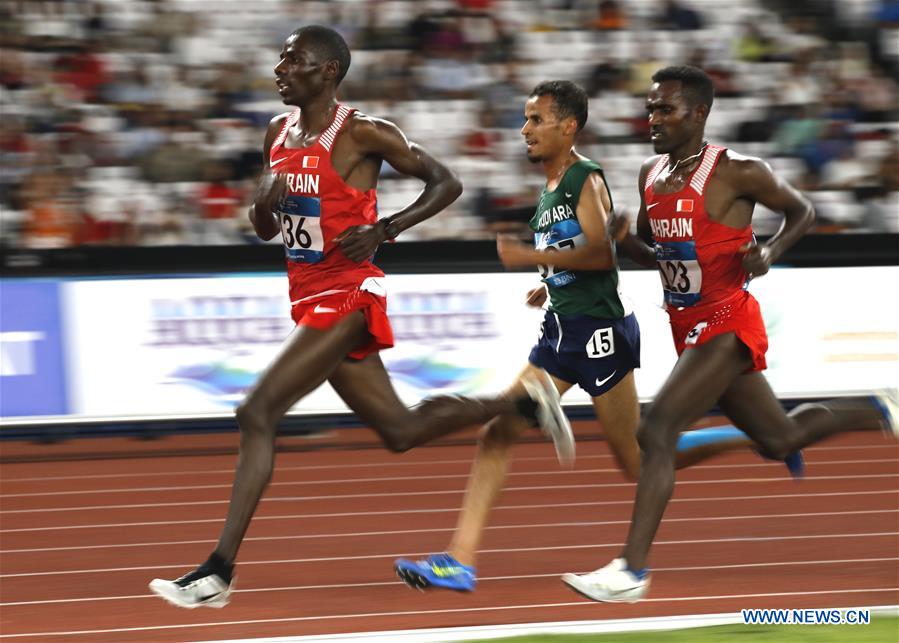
305, 361
700, 377
366, 388
488, 475
618, 409
752, 406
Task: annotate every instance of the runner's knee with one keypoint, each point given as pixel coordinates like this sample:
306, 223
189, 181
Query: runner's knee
252, 418
499, 433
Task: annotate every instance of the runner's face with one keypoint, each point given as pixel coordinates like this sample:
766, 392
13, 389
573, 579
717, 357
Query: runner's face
544, 132
299, 75
672, 119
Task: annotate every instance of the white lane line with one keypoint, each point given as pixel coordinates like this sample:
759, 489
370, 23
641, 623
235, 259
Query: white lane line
354, 481
431, 463
449, 529
658, 543
495, 608
406, 494
481, 579
456, 492
515, 632
454, 509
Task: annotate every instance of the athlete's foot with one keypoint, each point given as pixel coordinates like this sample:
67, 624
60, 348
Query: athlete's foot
210, 585
437, 570
614, 583
550, 415
887, 400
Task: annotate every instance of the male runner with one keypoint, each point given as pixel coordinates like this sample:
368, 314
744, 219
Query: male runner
318, 191
696, 210
589, 335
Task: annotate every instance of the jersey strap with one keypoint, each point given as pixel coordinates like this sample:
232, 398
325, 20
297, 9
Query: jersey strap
290, 122
655, 171
328, 136
701, 177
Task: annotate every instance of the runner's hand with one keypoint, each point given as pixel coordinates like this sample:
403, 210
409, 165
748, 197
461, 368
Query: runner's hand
513, 253
271, 191
536, 296
756, 259
619, 225
359, 242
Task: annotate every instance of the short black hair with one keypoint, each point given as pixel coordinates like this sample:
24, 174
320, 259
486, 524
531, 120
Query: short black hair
570, 99
696, 84
328, 44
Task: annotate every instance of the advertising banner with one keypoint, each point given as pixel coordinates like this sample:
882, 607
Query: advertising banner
32, 362
192, 346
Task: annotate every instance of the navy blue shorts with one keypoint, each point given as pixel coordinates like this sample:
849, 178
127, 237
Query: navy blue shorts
592, 352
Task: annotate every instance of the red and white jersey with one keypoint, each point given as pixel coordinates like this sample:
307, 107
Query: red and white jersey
319, 206
699, 259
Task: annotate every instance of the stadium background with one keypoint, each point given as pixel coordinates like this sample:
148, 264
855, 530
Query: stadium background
130, 147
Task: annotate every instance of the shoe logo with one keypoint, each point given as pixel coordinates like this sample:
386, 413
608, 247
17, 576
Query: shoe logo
444, 572
600, 382
276, 161
203, 599
323, 309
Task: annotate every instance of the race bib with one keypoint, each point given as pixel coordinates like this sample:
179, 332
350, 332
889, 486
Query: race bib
301, 230
680, 271
565, 235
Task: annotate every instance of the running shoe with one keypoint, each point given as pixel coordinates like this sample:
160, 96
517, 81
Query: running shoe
795, 465
200, 588
550, 415
614, 583
437, 570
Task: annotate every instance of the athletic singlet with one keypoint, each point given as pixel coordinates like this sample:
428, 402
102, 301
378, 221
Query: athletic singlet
556, 228
319, 206
699, 260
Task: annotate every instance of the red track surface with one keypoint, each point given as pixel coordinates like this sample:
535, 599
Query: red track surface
81, 538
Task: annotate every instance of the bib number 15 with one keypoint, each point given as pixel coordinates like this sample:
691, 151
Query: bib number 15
601, 344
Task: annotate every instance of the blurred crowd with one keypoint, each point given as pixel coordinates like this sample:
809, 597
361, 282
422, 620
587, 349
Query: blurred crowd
140, 122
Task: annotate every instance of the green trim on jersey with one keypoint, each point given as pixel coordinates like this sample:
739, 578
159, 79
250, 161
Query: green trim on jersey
555, 225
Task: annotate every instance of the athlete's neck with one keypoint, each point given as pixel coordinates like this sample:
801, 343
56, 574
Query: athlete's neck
555, 167
688, 153
317, 114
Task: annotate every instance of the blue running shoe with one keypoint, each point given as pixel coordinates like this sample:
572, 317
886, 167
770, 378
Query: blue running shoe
437, 570
795, 465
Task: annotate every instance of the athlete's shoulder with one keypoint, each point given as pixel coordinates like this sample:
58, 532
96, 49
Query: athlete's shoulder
741, 167
278, 121
650, 162
364, 127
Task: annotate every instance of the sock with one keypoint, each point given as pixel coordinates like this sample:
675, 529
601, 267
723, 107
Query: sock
219, 566
701, 437
640, 574
527, 408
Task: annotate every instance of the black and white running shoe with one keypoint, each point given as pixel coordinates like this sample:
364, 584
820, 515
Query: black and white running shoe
200, 588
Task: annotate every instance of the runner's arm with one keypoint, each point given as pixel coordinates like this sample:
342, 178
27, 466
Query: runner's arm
596, 254
636, 247
271, 189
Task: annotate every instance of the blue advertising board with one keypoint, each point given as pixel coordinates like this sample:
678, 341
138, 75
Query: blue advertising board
32, 364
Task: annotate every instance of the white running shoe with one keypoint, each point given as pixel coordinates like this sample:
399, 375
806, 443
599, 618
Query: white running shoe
889, 402
199, 588
611, 584
550, 415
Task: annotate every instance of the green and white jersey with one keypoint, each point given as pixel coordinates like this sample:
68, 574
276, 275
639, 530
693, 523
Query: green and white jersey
556, 228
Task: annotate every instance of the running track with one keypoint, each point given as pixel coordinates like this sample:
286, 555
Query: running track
82, 537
